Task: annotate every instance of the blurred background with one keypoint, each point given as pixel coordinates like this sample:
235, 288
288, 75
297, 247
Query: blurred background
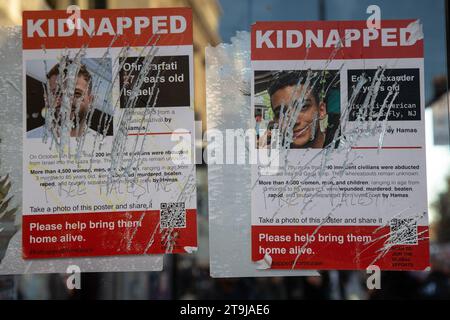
187, 276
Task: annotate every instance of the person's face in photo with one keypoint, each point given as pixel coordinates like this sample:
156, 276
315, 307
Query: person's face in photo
82, 97
308, 118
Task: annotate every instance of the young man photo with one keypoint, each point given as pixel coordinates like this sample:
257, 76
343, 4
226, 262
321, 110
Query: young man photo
300, 113
80, 101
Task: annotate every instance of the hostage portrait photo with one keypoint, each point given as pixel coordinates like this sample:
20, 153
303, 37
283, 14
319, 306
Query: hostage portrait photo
47, 87
303, 105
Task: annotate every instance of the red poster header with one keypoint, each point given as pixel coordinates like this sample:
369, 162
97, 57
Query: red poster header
336, 39
58, 29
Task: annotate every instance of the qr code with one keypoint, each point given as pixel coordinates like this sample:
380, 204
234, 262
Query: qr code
403, 231
172, 215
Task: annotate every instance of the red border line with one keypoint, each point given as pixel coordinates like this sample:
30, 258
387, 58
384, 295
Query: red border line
368, 148
157, 133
